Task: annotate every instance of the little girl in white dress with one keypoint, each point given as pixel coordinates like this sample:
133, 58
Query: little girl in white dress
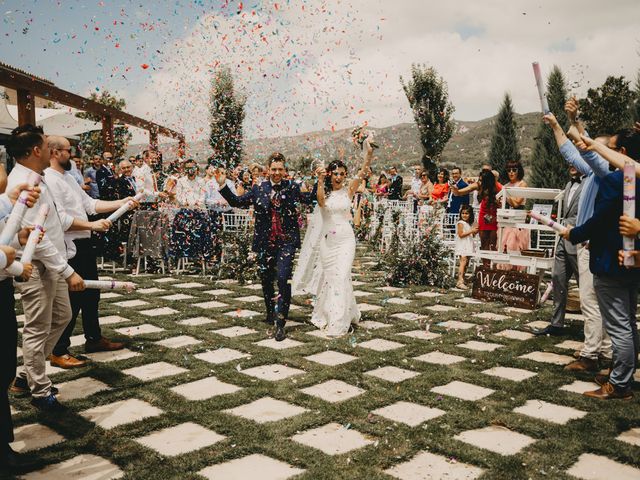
465, 247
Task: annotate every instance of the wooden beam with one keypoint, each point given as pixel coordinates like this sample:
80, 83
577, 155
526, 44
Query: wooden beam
107, 135
26, 107
37, 87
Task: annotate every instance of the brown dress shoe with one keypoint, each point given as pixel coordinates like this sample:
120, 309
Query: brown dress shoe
102, 345
602, 378
583, 364
66, 361
609, 392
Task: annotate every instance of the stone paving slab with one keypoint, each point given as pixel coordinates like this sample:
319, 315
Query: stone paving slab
153, 371
180, 439
112, 356
333, 391
595, 467
463, 390
480, 346
392, 374
515, 335
631, 437
441, 308
428, 294
246, 467
265, 410
204, 389
211, 304
380, 345
82, 467
456, 325
218, 291
440, 358
188, 285
546, 357
80, 388
232, 332
365, 307
331, 358
120, 413
221, 355
490, 316
178, 342
428, 466
580, 387
241, 313
158, 312
408, 413
113, 319
420, 334
408, 316
508, 373
131, 303
273, 372
275, 345
332, 439
496, 439
196, 321
135, 330
177, 296
373, 325
34, 437
550, 412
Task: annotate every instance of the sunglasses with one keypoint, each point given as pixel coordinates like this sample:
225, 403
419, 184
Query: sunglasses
512, 169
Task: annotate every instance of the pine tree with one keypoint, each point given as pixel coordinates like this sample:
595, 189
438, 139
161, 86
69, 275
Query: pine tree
635, 109
608, 107
429, 99
504, 143
548, 168
91, 142
227, 115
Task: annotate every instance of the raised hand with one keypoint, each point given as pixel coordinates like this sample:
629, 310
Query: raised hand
32, 197
321, 172
551, 120
629, 227
571, 108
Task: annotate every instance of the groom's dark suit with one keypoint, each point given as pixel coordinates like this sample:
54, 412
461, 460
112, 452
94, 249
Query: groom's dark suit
275, 239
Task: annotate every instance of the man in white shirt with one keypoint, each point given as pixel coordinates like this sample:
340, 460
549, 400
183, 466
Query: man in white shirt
145, 179
72, 201
190, 188
45, 296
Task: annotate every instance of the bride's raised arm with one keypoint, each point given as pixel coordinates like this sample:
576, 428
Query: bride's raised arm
364, 169
321, 173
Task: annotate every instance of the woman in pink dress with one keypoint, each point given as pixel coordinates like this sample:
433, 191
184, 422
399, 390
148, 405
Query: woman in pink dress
514, 239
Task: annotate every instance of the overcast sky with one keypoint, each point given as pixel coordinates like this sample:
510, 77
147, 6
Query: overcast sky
311, 65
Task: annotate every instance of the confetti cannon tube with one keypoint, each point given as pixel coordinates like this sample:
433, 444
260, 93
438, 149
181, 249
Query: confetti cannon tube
124, 208
629, 207
109, 285
548, 222
18, 212
540, 84
15, 269
34, 236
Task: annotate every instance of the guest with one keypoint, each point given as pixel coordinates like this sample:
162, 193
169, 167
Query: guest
190, 188
426, 188
382, 187
565, 264
395, 186
440, 192
126, 183
465, 247
487, 215
76, 171
90, 176
45, 296
106, 178
414, 190
514, 239
244, 182
72, 202
145, 178
454, 202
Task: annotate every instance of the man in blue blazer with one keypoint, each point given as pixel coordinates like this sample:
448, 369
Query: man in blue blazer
616, 287
276, 236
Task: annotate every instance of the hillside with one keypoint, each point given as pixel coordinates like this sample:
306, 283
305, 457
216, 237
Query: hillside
399, 144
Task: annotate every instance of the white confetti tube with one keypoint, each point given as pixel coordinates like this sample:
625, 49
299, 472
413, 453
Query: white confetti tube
124, 208
561, 229
109, 285
15, 269
17, 213
34, 236
540, 84
629, 207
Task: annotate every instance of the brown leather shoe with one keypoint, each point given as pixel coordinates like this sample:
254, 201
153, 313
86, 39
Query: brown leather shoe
102, 345
583, 364
602, 378
66, 361
609, 392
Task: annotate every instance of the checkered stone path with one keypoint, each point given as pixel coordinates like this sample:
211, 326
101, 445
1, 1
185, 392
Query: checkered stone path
432, 384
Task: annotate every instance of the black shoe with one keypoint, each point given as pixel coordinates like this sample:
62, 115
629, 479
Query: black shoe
269, 320
280, 335
549, 330
48, 404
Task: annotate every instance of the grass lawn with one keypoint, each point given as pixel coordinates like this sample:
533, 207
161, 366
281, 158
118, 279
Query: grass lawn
379, 443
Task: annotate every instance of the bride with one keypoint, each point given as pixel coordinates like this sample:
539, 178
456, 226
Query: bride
326, 258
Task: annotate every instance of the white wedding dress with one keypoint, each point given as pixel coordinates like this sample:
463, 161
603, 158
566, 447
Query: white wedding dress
325, 262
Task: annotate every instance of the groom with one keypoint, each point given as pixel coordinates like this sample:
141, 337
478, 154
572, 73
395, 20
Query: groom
276, 236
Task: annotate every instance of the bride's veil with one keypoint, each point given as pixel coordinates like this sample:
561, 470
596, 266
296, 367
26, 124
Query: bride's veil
306, 277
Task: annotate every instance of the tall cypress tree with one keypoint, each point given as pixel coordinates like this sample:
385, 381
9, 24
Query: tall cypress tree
548, 168
635, 109
433, 112
608, 108
504, 143
227, 115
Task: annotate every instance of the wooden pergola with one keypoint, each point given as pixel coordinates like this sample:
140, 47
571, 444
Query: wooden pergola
29, 86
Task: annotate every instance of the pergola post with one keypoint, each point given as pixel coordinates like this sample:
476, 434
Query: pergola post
107, 134
26, 107
153, 139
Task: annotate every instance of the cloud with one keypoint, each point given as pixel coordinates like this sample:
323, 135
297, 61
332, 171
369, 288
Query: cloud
317, 64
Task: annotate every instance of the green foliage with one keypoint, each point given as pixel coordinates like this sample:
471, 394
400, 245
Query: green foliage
239, 260
91, 142
635, 108
433, 113
608, 107
227, 116
548, 168
504, 142
416, 261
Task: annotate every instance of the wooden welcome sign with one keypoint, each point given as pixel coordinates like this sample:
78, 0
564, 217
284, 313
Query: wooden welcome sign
514, 288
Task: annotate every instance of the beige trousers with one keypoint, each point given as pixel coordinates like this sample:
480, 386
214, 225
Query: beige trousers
596, 339
47, 311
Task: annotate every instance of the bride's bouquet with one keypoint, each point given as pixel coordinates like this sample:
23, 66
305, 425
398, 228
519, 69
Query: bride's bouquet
359, 135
